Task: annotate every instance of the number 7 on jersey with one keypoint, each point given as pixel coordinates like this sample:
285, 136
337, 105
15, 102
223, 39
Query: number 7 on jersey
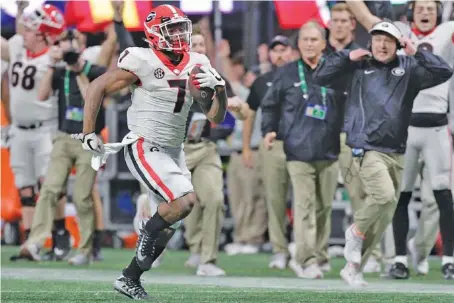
181, 85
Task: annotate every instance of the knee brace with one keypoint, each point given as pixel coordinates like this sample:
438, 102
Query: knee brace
27, 200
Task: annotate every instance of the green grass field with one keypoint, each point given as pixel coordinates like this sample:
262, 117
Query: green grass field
248, 280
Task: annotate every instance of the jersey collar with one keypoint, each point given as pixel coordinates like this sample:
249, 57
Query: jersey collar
176, 69
421, 34
35, 55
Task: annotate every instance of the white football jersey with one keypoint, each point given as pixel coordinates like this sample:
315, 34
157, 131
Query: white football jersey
25, 75
161, 101
441, 43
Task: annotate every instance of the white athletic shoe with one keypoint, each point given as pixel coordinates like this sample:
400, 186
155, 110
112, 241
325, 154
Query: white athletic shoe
325, 267
232, 249
352, 276
193, 261
421, 266
353, 246
278, 261
249, 249
80, 260
312, 272
30, 251
297, 268
372, 266
210, 270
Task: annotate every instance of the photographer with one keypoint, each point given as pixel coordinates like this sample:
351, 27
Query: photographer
70, 79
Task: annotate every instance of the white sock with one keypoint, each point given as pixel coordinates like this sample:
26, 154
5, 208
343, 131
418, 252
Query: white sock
446, 260
401, 259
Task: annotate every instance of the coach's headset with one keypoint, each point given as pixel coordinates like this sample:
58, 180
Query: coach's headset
410, 11
389, 28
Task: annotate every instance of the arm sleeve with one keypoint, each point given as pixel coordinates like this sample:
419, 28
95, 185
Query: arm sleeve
271, 104
253, 99
95, 71
431, 70
124, 37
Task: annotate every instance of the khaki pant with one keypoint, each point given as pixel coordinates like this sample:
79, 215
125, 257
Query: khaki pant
66, 153
381, 175
246, 200
276, 181
314, 185
349, 168
203, 225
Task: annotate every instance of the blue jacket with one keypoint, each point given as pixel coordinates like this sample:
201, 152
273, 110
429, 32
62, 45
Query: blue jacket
381, 95
283, 109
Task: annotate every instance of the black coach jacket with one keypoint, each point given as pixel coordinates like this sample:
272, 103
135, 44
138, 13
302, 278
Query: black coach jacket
284, 108
381, 95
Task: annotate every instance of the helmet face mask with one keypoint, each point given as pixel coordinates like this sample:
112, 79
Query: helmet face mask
168, 31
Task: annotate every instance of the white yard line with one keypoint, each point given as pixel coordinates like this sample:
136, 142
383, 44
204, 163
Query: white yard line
265, 283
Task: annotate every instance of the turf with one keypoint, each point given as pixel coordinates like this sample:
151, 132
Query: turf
58, 282
240, 265
52, 291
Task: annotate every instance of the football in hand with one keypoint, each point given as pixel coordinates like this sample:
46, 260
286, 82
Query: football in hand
202, 95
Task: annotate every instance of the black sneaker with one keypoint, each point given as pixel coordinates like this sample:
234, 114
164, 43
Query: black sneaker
131, 288
448, 271
145, 250
63, 244
399, 271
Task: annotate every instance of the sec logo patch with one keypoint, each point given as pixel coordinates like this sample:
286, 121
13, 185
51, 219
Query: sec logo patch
159, 73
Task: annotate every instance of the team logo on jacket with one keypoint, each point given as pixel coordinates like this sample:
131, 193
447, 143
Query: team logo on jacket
398, 71
159, 73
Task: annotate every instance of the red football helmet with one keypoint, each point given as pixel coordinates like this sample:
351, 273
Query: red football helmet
168, 28
47, 20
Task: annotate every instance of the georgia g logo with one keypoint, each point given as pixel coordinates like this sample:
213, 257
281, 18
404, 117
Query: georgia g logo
150, 16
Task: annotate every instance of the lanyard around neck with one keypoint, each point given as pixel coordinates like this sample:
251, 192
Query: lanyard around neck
67, 81
66, 87
303, 83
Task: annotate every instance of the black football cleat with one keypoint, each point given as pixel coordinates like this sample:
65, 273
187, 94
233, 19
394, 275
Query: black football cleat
448, 271
399, 271
131, 288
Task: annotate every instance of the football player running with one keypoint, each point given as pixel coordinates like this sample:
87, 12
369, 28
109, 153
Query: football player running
158, 77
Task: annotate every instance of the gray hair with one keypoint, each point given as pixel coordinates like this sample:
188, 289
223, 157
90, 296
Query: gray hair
313, 24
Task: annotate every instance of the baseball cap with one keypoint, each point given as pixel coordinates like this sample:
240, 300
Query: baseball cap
386, 27
279, 39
